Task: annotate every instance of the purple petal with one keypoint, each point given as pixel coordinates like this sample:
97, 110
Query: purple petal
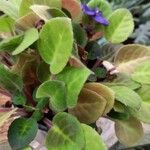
87, 10
100, 19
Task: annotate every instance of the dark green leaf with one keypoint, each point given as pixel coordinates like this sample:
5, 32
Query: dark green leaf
38, 113
43, 72
21, 132
19, 98
80, 35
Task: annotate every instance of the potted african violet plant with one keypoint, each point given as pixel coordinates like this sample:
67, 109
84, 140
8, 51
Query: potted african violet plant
63, 66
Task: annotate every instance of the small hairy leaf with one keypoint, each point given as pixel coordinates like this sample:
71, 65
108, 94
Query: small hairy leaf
93, 139
130, 56
74, 78
65, 134
127, 96
90, 106
129, 131
30, 36
142, 73
120, 27
56, 91
21, 132
55, 47
105, 92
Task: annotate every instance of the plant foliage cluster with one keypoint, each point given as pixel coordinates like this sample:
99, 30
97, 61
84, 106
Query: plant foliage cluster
64, 70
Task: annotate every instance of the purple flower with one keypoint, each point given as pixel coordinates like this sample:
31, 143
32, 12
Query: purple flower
95, 14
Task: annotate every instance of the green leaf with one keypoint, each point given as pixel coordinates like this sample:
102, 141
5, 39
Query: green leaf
129, 131
130, 56
142, 73
102, 5
127, 96
124, 80
6, 24
144, 112
38, 113
93, 139
9, 8
43, 72
56, 91
10, 81
11, 43
5, 116
21, 132
74, 78
80, 35
120, 27
105, 92
46, 13
30, 36
25, 5
19, 98
100, 72
55, 47
90, 106
65, 134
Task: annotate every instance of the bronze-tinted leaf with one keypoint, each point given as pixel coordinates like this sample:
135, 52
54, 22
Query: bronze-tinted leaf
27, 21
90, 106
129, 131
130, 56
74, 8
104, 92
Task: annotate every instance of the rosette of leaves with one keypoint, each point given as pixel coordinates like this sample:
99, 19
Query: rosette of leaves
60, 68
